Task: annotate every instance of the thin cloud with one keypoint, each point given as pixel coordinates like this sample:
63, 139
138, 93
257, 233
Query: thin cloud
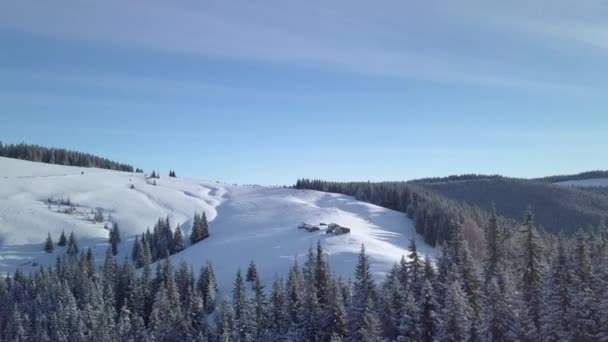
470, 42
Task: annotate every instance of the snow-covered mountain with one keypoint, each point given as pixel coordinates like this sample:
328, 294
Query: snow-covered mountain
246, 223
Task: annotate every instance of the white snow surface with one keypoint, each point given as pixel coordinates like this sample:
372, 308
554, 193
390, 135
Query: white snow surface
586, 182
246, 223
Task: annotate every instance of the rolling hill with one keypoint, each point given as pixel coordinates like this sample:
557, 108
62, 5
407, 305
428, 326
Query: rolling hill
246, 222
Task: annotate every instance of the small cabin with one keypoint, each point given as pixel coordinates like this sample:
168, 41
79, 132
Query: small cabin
337, 229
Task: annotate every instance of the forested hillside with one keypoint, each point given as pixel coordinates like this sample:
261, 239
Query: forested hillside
436, 204
558, 208
547, 290
434, 215
59, 156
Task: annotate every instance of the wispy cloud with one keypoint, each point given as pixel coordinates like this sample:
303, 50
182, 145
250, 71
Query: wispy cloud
515, 44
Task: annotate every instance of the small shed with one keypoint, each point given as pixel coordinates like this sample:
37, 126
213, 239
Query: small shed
337, 229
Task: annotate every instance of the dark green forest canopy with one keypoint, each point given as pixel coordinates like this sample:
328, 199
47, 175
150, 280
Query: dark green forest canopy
59, 156
437, 204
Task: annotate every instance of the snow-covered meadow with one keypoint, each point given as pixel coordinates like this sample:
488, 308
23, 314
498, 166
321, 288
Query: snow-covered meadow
246, 223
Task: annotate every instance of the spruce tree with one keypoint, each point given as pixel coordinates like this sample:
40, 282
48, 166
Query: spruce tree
72, 245
456, 315
62, 240
494, 261
207, 287
114, 238
242, 310
204, 227
531, 275
252, 273
196, 232
178, 240
48, 244
278, 315
415, 267
363, 295
429, 321
558, 297
498, 314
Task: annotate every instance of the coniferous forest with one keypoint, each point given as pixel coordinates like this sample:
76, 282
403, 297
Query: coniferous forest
59, 156
547, 288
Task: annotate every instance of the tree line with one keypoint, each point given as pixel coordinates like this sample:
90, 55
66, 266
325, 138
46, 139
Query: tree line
548, 289
59, 156
164, 241
434, 215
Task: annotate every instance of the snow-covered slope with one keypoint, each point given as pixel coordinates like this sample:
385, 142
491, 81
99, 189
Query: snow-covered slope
586, 182
247, 223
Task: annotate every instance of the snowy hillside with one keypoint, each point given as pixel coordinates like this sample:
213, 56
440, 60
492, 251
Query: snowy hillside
586, 182
246, 222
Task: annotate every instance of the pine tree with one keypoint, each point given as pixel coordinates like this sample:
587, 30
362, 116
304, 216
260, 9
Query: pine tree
456, 315
336, 320
415, 267
178, 240
62, 240
363, 295
48, 244
72, 245
207, 287
242, 310
204, 227
498, 314
586, 317
558, 307
295, 299
409, 329
196, 232
278, 315
494, 262
252, 273
225, 329
135, 250
114, 238
260, 311
429, 321
370, 329
531, 275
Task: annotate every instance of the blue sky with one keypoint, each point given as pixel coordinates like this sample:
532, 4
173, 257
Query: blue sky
269, 91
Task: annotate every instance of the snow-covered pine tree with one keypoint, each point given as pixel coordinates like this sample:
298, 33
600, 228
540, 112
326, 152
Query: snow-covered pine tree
531, 275
178, 240
558, 292
363, 295
204, 227
415, 267
278, 316
429, 321
243, 320
456, 315
72, 245
114, 238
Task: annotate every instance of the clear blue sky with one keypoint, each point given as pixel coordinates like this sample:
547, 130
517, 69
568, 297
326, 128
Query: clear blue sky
269, 91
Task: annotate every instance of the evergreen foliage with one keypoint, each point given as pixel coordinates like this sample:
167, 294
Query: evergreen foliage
114, 238
63, 241
59, 156
48, 244
553, 290
200, 228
